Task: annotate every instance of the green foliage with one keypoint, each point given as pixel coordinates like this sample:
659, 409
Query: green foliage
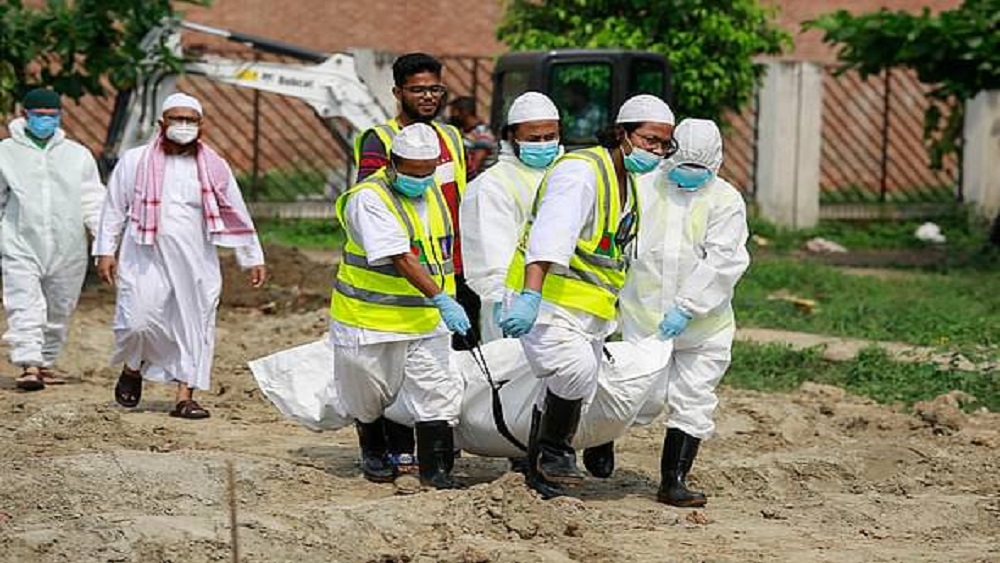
708, 43
956, 309
74, 46
873, 374
957, 50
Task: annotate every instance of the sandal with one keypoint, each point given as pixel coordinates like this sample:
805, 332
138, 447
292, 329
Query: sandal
190, 410
30, 381
128, 390
48, 375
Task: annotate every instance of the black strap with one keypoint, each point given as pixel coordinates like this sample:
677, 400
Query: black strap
497, 404
607, 354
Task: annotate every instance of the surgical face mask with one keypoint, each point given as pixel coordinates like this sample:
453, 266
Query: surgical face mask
639, 160
689, 177
182, 133
42, 126
412, 186
538, 154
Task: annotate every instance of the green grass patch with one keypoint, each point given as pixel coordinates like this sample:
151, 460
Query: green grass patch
958, 309
963, 234
323, 234
873, 374
291, 184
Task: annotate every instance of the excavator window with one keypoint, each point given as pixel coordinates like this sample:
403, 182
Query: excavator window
582, 91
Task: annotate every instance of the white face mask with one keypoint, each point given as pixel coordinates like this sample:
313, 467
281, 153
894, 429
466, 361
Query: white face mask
182, 133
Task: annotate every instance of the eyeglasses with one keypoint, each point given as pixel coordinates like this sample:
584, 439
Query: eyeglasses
668, 146
182, 120
436, 91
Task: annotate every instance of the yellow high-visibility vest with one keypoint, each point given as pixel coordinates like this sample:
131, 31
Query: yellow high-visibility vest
380, 297
596, 270
452, 140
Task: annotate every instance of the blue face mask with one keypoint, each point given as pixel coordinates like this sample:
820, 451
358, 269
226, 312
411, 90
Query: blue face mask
641, 161
538, 155
688, 177
412, 186
42, 126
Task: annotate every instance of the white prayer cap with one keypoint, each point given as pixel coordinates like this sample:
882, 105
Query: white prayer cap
643, 108
181, 100
418, 141
532, 106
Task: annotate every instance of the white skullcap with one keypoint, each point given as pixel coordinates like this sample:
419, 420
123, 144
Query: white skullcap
532, 106
645, 107
699, 141
418, 141
181, 100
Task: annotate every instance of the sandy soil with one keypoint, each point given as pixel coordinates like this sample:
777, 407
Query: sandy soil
816, 475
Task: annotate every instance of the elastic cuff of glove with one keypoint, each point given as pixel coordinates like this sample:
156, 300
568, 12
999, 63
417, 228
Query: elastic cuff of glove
440, 298
684, 312
535, 295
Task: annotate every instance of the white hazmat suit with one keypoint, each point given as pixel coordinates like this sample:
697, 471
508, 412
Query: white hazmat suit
691, 256
494, 210
47, 195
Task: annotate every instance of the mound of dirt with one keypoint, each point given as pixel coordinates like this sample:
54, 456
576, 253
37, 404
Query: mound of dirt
297, 282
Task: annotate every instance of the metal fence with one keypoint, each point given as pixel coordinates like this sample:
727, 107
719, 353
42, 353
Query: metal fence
872, 143
739, 164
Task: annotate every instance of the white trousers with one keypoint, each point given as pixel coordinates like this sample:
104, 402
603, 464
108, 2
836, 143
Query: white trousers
39, 305
695, 370
412, 373
568, 360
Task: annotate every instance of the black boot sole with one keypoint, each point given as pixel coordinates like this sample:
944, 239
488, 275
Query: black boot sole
689, 503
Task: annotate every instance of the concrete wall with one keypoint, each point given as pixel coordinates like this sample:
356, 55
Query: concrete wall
791, 103
981, 160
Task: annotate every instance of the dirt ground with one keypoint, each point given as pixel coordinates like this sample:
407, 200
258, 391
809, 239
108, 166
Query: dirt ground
816, 475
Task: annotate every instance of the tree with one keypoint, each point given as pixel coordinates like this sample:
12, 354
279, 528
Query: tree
709, 44
77, 47
957, 51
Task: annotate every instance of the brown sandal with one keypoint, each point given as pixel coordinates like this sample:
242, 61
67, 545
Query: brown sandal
48, 375
30, 381
128, 390
190, 410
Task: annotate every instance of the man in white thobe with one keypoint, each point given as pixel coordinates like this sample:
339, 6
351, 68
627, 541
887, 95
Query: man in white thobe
175, 200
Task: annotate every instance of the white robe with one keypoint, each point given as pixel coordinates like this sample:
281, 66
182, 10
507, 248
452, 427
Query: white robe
168, 292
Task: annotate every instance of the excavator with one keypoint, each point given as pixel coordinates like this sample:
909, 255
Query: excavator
351, 92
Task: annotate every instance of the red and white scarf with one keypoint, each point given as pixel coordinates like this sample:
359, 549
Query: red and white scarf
221, 217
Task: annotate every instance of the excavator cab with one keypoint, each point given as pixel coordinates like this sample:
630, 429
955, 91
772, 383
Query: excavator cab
588, 86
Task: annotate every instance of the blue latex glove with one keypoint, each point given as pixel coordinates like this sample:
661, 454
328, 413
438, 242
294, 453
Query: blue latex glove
497, 312
673, 323
522, 314
452, 313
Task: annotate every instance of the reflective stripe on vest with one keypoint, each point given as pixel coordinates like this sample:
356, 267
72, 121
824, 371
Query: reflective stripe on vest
592, 281
386, 132
380, 297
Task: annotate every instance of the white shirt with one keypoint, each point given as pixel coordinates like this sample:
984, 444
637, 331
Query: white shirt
373, 226
565, 215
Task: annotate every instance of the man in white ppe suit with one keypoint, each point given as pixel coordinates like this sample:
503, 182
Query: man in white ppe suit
170, 204
498, 202
49, 189
680, 285
393, 309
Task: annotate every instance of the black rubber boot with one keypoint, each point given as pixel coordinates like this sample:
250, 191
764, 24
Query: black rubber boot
600, 460
556, 457
679, 451
436, 454
374, 459
545, 489
519, 464
399, 438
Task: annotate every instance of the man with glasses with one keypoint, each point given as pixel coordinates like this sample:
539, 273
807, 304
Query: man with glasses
421, 98
49, 189
170, 204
